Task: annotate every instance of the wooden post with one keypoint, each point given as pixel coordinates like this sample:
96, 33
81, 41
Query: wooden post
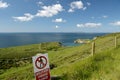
93, 48
115, 41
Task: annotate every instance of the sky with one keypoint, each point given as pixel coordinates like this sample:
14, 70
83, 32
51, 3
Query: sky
60, 16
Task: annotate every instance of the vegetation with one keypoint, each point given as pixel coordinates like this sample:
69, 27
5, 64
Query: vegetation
44, 47
20, 56
71, 63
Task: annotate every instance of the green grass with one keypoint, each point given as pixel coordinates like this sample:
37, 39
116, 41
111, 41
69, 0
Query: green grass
27, 51
102, 66
73, 63
21, 73
22, 55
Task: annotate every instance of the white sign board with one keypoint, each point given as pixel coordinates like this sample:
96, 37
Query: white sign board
41, 67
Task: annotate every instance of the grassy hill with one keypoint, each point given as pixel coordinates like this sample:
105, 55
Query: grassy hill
71, 63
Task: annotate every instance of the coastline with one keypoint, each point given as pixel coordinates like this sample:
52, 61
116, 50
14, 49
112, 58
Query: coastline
20, 39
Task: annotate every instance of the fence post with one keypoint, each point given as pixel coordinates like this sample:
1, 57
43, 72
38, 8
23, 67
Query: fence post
115, 41
93, 48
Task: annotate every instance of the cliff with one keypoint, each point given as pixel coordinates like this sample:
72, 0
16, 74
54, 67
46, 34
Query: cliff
82, 41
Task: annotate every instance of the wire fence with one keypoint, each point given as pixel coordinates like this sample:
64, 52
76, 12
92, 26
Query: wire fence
113, 42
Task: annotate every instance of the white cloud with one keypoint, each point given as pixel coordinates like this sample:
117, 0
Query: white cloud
84, 8
70, 10
40, 3
26, 17
49, 11
56, 26
89, 25
3, 4
93, 24
117, 23
88, 3
105, 16
80, 25
76, 5
59, 20
100, 17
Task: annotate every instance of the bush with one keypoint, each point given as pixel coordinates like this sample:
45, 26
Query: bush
52, 66
50, 46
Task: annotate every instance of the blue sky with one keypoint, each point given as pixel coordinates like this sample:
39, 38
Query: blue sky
59, 15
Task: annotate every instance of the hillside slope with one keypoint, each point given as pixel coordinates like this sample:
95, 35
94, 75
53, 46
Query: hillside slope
77, 63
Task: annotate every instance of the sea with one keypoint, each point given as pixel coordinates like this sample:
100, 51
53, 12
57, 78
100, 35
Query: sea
19, 39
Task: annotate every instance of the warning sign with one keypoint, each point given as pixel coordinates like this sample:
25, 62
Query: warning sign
41, 62
41, 67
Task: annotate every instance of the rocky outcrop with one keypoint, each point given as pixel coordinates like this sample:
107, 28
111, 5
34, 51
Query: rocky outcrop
95, 38
82, 41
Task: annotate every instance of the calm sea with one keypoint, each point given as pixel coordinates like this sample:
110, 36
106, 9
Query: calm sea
18, 39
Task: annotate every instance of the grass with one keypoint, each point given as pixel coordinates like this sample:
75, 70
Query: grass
103, 66
25, 73
73, 63
22, 55
27, 51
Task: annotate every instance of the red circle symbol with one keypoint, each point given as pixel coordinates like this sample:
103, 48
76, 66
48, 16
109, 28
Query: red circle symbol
41, 62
